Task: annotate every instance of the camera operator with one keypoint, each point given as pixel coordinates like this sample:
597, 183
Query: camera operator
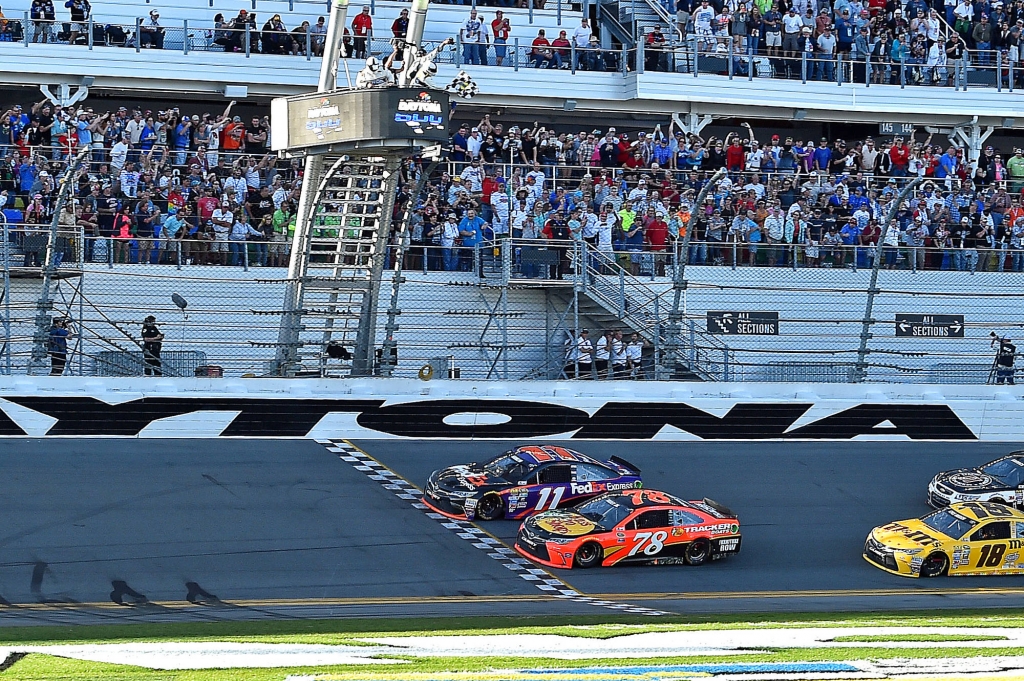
58, 345
1005, 357
152, 340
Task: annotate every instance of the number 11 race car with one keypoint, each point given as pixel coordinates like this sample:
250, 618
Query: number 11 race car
972, 538
641, 526
523, 481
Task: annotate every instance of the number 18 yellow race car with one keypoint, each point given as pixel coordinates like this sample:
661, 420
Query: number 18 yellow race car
972, 538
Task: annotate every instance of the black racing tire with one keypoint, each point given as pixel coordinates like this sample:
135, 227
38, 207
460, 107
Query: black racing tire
491, 507
935, 565
698, 552
589, 555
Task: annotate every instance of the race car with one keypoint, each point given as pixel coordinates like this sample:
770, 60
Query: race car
632, 526
1001, 481
972, 538
523, 481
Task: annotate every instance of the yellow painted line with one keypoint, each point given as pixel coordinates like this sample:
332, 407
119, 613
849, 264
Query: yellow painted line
525, 598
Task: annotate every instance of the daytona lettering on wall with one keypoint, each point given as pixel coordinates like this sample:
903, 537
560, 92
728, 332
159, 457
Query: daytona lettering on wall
270, 417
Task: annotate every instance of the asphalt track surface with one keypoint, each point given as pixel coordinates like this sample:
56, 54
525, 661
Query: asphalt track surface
284, 528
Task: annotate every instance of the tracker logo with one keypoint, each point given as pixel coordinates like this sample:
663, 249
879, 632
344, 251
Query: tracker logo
721, 528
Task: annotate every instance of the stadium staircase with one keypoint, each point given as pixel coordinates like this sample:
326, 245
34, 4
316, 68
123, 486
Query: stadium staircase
623, 301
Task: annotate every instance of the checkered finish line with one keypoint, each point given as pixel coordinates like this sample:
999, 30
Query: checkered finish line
495, 548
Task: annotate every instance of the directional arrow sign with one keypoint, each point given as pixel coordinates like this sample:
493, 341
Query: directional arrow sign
743, 323
929, 325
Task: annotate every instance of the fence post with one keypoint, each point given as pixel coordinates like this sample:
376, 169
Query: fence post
999, 70
803, 67
558, 13
572, 54
248, 43
185, 41
110, 253
25, 32
90, 31
795, 250
693, 345
1012, 62
138, 34
640, 52
750, 61
177, 253
515, 56
309, 43
731, 50
903, 69
735, 252
458, 49
965, 69
622, 292
245, 256
839, 69
531, 11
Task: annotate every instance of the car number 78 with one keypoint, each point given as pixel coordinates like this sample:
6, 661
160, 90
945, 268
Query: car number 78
655, 544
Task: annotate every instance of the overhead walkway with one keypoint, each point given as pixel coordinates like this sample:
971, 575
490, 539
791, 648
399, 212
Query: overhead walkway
203, 74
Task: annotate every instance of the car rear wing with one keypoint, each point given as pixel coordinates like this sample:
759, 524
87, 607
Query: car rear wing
625, 464
722, 511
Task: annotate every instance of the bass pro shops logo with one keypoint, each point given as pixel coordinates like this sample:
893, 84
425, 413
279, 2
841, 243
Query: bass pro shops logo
421, 113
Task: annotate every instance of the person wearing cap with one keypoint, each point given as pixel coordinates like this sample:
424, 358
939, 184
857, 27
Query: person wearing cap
579, 356
1015, 171
152, 33
825, 53
152, 342
362, 29
982, 34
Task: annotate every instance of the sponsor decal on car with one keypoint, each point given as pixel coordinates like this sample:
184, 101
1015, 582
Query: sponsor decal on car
567, 525
728, 544
721, 528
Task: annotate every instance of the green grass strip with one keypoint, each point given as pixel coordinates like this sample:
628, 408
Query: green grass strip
915, 638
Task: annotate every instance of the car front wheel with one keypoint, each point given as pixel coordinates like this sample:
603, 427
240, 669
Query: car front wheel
491, 507
589, 555
935, 565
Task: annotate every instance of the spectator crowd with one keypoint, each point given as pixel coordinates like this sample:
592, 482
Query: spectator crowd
202, 188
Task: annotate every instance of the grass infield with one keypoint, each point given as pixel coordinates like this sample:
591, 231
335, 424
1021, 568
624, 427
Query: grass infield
44, 667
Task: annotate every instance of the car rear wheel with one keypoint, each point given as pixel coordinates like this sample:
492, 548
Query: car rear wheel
589, 555
491, 507
935, 565
698, 552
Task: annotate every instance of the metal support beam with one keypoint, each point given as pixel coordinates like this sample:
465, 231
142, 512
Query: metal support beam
691, 123
65, 96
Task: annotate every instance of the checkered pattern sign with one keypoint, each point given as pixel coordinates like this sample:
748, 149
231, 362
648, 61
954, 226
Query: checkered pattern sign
495, 548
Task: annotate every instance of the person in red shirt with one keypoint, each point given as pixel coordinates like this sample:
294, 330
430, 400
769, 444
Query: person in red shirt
564, 47
735, 154
362, 28
541, 54
500, 29
656, 236
899, 154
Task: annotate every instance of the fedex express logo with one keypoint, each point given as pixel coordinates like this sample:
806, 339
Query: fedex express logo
420, 113
599, 487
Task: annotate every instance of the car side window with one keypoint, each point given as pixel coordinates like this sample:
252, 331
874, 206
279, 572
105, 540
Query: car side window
992, 531
680, 518
559, 472
588, 472
650, 520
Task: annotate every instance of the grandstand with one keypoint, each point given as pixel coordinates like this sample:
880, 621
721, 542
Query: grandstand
509, 301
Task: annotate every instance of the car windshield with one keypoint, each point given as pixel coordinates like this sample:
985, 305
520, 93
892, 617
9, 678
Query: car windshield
509, 467
1008, 471
949, 523
605, 512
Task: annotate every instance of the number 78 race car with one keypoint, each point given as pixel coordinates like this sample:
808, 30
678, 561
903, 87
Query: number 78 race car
972, 538
523, 481
641, 526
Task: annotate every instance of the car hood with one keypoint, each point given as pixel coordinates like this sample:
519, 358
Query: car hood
564, 524
466, 477
969, 480
907, 534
